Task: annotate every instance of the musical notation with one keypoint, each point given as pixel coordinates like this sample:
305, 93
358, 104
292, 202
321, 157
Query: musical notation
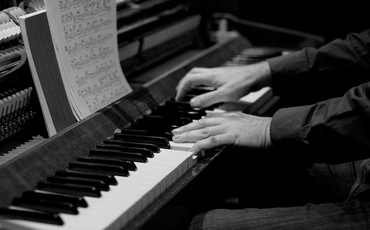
81, 30
66, 5
93, 93
99, 86
85, 32
90, 58
95, 75
87, 44
85, 13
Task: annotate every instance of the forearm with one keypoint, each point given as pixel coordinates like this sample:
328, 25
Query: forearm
332, 130
330, 70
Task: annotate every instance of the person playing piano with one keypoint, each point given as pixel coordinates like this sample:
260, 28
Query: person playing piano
328, 125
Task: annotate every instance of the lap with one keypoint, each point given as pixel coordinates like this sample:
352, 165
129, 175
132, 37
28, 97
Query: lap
350, 215
289, 185
321, 182
282, 181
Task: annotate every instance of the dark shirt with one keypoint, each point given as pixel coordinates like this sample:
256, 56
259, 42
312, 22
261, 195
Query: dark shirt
337, 78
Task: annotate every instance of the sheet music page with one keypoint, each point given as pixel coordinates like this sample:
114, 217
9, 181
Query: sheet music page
84, 33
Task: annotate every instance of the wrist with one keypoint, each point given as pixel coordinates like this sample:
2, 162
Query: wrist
265, 77
262, 75
268, 142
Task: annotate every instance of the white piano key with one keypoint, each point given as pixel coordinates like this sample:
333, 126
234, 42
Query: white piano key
124, 201
181, 146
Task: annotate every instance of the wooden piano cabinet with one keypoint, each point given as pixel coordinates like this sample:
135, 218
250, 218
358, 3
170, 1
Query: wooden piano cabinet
27, 169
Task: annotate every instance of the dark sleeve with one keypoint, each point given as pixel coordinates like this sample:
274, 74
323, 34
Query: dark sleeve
335, 130
324, 72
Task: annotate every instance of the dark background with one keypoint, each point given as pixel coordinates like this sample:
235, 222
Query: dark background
327, 18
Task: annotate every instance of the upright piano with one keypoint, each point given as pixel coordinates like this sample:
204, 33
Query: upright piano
118, 169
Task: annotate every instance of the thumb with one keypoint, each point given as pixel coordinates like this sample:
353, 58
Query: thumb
206, 99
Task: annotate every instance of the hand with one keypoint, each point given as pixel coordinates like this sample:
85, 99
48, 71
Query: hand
231, 82
226, 129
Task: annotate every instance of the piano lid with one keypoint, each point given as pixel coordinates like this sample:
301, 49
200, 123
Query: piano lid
150, 31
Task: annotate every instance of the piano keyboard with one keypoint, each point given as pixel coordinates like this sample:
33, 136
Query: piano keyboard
125, 200
121, 177
114, 182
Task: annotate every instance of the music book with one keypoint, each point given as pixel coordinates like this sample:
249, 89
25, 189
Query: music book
75, 68
47, 79
84, 34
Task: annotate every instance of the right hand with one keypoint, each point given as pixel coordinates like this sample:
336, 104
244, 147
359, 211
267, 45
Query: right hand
219, 129
231, 83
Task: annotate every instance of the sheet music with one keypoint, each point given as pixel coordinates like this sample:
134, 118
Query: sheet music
85, 36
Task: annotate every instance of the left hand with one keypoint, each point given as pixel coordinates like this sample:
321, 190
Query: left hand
231, 83
219, 129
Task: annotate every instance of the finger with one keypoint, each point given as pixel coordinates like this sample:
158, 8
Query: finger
191, 80
199, 124
211, 142
199, 70
223, 114
208, 143
206, 99
199, 134
184, 86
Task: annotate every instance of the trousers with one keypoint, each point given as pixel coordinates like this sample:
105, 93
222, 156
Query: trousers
285, 194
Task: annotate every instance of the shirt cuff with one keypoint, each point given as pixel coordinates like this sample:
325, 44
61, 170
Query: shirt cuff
286, 127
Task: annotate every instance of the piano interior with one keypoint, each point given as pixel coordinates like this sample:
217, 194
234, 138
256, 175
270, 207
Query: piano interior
159, 42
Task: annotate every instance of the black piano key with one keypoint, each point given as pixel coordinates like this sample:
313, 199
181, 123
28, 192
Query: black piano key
171, 111
167, 128
45, 206
179, 104
185, 105
160, 123
70, 189
48, 218
160, 141
200, 90
188, 97
76, 200
146, 132
165, 120
99, 168
101, 185
108, 153
150, 146
109, 179
143, 151
130, 165
193, 92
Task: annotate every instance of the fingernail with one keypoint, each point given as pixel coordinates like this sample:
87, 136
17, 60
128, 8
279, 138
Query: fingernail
195, 102
175, 131
176, 137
